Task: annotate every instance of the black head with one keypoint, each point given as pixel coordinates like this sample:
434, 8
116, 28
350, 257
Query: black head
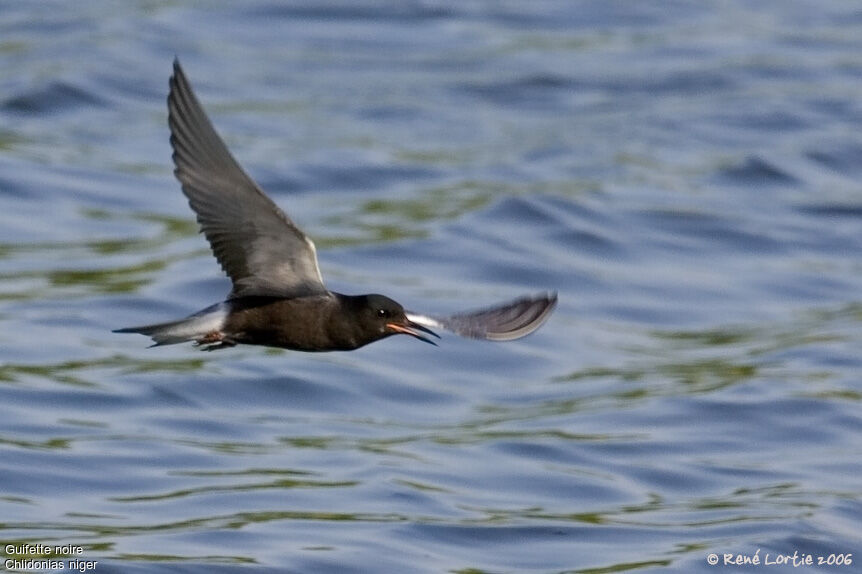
386, 317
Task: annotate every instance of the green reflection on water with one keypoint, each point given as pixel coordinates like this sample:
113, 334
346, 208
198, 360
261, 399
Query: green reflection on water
48, 444
842, 394
9, 140
421, 486
171, 229
78, 372
701, 361
434, 204
699, 375
244, 472
212, 558
228, 521
464, 436
104, 263
387, 220
114, 280
275, 484
624, 567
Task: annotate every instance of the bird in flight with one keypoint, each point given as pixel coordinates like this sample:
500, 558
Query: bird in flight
278, 297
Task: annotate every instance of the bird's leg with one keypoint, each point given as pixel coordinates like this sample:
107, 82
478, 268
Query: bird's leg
214, 340
226, 344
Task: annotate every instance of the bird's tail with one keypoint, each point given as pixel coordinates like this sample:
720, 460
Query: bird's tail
196, 327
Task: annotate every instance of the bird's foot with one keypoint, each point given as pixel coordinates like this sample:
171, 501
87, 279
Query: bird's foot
214, 340
217, 346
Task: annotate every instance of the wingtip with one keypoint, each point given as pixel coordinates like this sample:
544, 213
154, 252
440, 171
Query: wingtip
550, 299
503, 322
172, 81
177, 79
538, 311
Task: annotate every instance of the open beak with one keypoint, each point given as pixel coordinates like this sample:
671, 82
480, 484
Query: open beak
413, 329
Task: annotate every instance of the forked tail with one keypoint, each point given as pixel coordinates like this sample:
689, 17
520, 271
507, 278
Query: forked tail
200, 327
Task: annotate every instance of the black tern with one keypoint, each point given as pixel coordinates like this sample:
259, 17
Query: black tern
278, 297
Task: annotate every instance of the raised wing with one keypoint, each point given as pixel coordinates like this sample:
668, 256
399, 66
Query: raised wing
257, 245
504, 322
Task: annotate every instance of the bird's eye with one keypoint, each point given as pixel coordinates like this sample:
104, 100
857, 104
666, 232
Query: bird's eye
382, 313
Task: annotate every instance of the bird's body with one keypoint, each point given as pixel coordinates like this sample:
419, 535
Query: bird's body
301, 323
325, 322
278, 297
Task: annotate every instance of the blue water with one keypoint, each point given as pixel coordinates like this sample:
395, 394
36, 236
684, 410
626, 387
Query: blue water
686, 175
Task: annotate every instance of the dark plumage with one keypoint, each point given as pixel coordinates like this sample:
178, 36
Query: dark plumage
278, 297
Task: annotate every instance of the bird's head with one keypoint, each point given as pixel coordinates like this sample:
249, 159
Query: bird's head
388, 318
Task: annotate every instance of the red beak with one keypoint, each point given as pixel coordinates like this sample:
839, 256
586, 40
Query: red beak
412, 329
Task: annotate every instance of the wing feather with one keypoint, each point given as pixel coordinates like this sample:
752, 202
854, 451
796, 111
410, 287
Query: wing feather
258, 246
504, 322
